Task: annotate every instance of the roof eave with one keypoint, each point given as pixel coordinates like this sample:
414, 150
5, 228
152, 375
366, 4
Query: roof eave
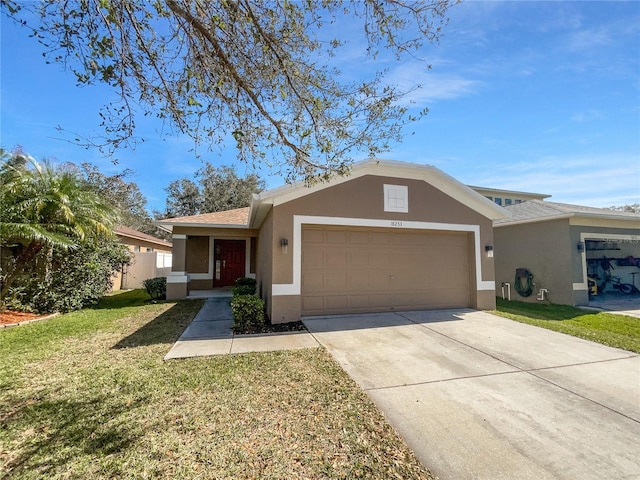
164, 223
379, 167
567, 215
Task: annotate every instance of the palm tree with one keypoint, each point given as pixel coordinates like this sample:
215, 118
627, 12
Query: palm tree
42, 207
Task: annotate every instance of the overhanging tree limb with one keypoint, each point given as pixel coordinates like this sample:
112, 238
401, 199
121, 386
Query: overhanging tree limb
259, 71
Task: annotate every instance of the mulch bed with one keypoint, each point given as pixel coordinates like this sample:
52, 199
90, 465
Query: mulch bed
277, 328
10, 318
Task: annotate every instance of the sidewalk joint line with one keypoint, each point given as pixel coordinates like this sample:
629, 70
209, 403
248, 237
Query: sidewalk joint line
528, 371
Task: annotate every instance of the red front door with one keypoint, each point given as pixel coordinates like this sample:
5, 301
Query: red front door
230, 262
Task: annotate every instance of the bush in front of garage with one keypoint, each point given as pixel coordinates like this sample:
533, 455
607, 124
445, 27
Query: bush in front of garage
248, 312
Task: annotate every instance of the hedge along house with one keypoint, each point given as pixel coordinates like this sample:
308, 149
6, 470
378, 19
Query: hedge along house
564, 245
390, 236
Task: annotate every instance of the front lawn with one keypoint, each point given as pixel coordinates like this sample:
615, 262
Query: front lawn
610, 329
87, 395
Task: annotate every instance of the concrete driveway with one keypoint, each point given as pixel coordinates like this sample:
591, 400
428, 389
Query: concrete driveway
478, 396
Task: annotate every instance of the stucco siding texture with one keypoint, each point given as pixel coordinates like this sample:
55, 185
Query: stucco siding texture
264, 257
543, 248
197, 260
363, 198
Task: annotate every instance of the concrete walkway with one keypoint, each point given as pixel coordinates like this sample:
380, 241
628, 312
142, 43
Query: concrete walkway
478, 396
211, 333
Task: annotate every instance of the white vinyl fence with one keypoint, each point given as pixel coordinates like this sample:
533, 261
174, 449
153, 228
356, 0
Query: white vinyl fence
144, 265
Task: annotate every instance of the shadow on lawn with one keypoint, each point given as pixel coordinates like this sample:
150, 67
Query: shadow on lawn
64, 429
165, 328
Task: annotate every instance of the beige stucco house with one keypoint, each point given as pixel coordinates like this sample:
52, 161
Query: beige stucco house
150, 257
562, 246
390, 236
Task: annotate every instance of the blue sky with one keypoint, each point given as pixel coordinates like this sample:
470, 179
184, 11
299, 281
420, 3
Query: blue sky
535, 96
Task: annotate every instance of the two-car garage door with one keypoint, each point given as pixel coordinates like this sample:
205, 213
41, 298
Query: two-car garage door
348, 270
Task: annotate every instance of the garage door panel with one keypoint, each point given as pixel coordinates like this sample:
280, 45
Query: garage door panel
313, 281
362, 270
359, 302
335, 302
378, 281
358, 258
335, 236
358, 237
358, 281
313, 235
335, 258
379, 238
380, 259
312, 304
335, 281
313, 259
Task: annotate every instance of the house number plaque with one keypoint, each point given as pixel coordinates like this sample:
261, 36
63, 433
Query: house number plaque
396, 223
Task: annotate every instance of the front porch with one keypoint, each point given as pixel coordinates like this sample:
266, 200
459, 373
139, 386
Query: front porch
224, 292
207, 266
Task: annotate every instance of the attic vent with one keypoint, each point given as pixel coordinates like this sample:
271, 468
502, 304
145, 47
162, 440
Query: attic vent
396, 198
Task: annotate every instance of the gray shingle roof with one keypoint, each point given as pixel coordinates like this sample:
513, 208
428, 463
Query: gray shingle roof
536, 210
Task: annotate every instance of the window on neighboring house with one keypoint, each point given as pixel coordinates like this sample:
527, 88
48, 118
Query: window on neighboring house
498, 200
149, 249
396, 198
508, 201
518, 201
490, 198
136, 248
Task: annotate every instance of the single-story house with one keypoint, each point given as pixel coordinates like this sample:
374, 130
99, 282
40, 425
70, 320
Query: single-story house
564, 248
150, 258
390, 236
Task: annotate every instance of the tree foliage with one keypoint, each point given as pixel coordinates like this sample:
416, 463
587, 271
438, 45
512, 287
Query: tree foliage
49, 218
183, 199
633, 208
67, 280
254, 72
216, 190
124, 195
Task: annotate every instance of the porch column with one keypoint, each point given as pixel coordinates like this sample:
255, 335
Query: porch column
178, 280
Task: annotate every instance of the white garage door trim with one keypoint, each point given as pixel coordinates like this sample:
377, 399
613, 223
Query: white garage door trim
280, 289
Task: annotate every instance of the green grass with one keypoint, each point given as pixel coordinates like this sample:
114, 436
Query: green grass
615, 330
87, 395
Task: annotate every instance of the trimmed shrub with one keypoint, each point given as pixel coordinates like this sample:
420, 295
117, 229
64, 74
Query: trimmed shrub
245, 286
156, 287
248, 311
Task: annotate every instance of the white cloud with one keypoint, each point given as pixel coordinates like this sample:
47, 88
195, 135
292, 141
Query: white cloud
586, 40
588, 116
597, 181
433, 86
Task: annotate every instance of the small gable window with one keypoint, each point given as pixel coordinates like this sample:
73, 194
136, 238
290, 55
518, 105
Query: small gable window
396, 198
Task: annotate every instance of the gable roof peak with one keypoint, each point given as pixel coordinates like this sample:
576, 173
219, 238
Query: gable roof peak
262, 202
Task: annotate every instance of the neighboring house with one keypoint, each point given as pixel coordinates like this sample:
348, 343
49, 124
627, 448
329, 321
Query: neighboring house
150, 257
507, 197
563, 246
390, 236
